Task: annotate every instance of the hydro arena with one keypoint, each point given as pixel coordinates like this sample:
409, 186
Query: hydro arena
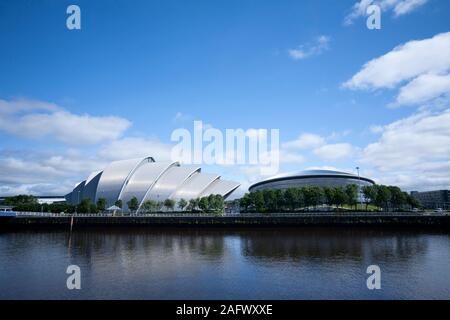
146, 179
319, 178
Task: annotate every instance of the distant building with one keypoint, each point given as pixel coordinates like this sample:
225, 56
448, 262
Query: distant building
433, 199
44, 199
50, 199
6, 208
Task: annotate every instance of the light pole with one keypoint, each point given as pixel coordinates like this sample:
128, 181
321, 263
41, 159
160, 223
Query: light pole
359, 187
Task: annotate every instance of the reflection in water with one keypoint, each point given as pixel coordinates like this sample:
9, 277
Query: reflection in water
302, 263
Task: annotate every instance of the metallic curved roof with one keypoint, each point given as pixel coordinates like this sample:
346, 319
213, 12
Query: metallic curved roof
194, 186
173, 178
142, 181
311, 174
222, 187
90, 187
115, 177
146, 179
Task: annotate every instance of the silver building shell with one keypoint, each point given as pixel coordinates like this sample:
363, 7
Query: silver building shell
146, 179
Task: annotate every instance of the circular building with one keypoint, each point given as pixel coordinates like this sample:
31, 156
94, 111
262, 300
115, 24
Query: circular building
319, 178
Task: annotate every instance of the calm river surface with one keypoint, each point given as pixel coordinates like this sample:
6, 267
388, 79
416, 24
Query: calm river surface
303, 263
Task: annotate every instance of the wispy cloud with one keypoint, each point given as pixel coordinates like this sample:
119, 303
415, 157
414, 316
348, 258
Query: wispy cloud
420, 67
37, 120
398, 7
304, 51
413, 152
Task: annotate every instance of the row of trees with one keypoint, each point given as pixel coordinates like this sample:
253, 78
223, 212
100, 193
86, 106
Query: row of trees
388, 198
212, 203
299, 199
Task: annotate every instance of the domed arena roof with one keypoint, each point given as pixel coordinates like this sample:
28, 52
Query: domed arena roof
310, 174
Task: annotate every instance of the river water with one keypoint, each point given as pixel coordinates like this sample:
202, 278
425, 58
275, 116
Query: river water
302, 263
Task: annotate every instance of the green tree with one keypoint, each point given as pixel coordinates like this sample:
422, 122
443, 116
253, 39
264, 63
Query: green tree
292, 197
193, 204
245, 202
313, 196
412, 201
219, 203
169, 204
351, 192
340, 196
383, 197
216, 202
328, 195
85, 206
182, 204
203, 204
270, 200
159, 206
133, 204
258, 201
149, 205
211, 202
101, 204
93, 208
398, 199
21, 199
370, 195
119, 203
281, 202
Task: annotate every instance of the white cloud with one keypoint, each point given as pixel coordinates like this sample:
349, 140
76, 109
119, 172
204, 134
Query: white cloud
23, 105
420, 66
406, 6
421, 138
320, 45
424, 88
291, 157
413, 153
403, 63
376, 129
41, 173
305, 141
399, 8
50, 173
129, 148
334, 151
37, 120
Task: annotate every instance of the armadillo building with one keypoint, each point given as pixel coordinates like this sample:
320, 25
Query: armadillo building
319, 178
147, 179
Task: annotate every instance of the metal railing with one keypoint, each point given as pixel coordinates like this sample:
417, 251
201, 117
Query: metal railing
249, 215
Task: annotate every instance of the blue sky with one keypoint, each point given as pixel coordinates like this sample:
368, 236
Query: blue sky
141, 69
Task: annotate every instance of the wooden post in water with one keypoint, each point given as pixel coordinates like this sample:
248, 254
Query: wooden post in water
71, 224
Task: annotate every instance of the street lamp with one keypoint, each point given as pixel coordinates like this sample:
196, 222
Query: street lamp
359, 187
